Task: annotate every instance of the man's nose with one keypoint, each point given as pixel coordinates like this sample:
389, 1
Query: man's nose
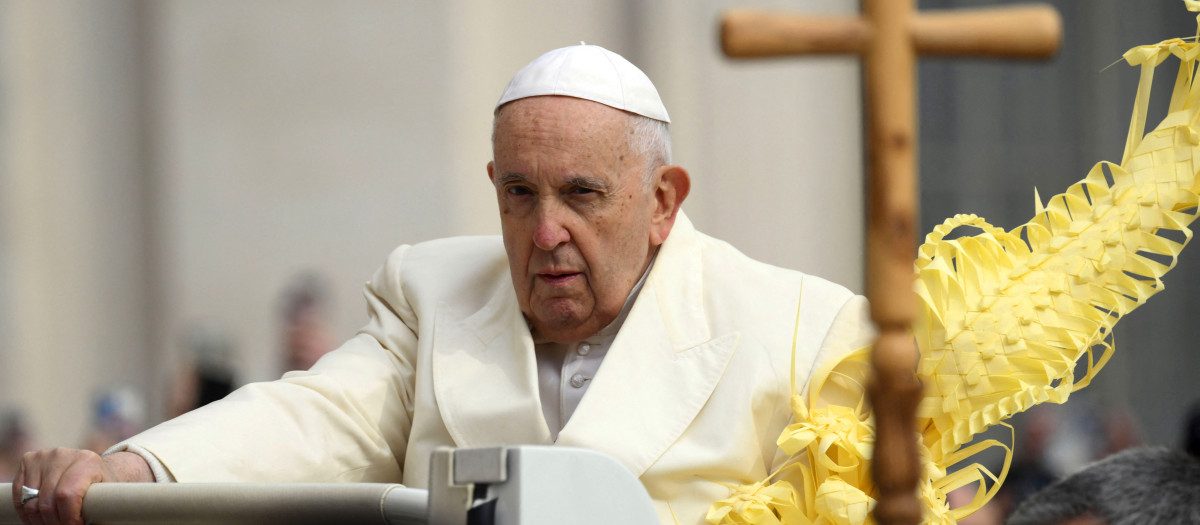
550, 230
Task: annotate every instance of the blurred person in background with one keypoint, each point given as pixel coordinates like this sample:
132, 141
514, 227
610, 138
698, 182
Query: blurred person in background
119, 412
1121, 429
1191, 431
207, 375
990, 514
306, 332
15, 440
1054, 441
1031, 470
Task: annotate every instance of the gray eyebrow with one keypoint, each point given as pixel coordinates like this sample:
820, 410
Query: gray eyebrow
512, 177
591, 183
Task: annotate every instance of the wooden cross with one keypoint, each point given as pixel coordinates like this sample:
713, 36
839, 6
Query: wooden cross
889, 37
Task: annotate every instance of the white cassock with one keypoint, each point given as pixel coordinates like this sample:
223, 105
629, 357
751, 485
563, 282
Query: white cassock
693, 389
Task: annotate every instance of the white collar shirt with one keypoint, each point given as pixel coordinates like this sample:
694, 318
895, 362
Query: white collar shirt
565, 370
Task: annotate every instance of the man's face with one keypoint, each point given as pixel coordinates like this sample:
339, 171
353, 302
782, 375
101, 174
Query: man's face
574, 211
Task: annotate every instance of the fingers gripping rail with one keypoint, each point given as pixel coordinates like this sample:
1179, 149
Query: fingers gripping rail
497, 485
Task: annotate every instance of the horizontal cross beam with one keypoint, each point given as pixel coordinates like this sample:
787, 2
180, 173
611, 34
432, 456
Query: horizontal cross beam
1026, 31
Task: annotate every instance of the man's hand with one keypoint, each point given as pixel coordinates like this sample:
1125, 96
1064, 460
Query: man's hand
62, 476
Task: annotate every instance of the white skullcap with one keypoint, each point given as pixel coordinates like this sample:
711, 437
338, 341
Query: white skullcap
591, 73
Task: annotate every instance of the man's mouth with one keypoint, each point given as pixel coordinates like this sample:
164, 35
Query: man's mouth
556, 278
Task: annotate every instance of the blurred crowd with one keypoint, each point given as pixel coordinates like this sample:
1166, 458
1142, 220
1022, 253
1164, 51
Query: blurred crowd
207, 374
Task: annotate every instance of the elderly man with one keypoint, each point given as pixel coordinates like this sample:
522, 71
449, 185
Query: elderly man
602, 320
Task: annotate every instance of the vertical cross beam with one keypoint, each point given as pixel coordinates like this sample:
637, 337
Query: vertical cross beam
890, 79
889, 37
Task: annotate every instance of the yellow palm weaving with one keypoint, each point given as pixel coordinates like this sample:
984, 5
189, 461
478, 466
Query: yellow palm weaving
1006, 316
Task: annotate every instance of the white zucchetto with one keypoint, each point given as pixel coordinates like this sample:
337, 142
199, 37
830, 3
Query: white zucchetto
591, 73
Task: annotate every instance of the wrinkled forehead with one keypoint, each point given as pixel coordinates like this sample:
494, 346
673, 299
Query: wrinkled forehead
559, 119
563, 137
560, 105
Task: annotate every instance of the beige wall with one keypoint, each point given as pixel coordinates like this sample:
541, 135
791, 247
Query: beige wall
73, 221
173, 163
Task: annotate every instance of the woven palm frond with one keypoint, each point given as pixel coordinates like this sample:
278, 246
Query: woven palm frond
1007, 315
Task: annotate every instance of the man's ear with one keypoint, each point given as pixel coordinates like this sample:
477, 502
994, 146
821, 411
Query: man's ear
673, 185
492, 171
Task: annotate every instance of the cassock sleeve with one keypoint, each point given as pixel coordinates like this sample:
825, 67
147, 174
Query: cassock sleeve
851, 330
346, 419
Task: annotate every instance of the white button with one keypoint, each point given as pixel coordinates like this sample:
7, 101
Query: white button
578, 380
584, 349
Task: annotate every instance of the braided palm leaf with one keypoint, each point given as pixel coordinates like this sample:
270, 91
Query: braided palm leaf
1006, 317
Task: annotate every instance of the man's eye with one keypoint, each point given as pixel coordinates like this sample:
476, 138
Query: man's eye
518, 190
580, 190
